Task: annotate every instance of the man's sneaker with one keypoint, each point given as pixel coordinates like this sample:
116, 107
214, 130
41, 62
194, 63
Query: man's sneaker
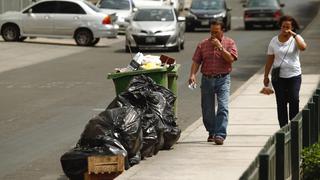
210, 138
218, 140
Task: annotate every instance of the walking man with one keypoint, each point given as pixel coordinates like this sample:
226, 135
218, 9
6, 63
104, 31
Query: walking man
215, 55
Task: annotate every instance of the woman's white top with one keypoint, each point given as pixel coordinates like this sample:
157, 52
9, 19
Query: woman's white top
291, 64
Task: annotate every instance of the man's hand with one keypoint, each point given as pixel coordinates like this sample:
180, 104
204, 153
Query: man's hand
192, 79
216, 43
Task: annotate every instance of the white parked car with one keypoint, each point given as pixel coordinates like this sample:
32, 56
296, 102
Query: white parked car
122, 8
78, 19
155, 28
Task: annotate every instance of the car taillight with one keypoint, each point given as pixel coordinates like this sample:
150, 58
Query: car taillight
106, 20
277, 14
246, 15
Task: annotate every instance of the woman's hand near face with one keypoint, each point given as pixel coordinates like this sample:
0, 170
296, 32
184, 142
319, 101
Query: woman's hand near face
291, 32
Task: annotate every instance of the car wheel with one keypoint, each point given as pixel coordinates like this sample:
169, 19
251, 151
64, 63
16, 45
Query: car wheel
10, 32
229, 26
83, 37
178, 46
182, 45
95, 41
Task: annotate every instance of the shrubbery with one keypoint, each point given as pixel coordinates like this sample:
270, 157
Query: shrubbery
311, 162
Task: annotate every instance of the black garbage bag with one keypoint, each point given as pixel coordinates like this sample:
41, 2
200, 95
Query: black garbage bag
98, 138
128, 125
171, 132
74, 164
150, 138
99, 133
159, 101
140, 86
160, 141
127, 122
135, 159
171, 135
156, 104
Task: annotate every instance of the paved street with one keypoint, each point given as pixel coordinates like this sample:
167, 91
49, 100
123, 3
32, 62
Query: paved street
51, 88
13, 55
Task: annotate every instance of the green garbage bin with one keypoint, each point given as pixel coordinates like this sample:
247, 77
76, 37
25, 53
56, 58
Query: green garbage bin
172, 82
166, 77
121, 79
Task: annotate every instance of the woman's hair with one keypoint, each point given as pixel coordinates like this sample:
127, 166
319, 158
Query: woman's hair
294, 23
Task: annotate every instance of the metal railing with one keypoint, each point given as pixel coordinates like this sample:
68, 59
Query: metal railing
280, 158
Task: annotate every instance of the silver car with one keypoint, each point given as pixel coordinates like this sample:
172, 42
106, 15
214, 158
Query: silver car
76, 19
122, 8
155, 28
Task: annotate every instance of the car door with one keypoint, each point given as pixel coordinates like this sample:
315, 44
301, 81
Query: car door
68, 18
38, 18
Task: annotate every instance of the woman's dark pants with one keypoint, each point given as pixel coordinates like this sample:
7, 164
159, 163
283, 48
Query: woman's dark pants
287, 92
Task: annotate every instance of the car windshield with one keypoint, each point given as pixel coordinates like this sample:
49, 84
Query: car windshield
207, 4
154, 15
262, 3
93, 7
115, 4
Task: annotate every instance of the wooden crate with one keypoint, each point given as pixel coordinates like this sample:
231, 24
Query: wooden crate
104, 167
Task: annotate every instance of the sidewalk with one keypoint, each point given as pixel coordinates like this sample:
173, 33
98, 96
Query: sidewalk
252, 121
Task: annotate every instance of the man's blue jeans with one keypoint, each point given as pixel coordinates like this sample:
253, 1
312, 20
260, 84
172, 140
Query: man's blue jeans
215, 122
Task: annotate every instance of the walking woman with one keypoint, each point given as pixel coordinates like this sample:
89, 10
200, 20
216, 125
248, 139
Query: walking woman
283, 52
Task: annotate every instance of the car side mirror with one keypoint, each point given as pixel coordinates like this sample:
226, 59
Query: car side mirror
181, 18
186, 9
135, 9
30, 11
229, 9
282, 5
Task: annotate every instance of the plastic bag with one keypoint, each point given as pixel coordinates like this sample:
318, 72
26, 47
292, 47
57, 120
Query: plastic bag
266, 90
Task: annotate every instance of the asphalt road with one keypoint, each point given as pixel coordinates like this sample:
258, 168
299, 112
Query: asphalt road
45, 105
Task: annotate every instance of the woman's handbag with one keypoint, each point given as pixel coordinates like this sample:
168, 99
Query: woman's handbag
275, 72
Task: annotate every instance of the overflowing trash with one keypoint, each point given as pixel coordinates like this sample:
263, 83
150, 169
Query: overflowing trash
146, 62
136, 124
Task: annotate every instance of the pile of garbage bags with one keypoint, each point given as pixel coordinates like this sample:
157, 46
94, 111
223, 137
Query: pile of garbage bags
136, 124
